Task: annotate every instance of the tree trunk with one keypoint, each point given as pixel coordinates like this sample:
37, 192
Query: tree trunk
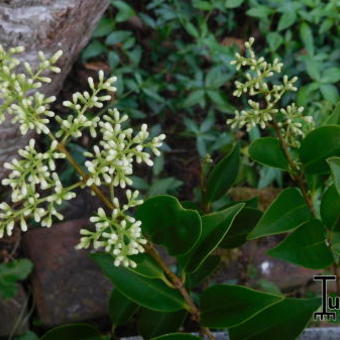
48, 26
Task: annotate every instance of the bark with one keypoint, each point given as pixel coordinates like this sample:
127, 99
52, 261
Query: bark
44, 25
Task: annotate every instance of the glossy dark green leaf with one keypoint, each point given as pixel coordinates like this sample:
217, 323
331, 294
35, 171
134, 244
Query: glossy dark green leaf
12, 272
226, 306
330, 208
268, 151
214, 228
314, 153
166, 222
282, 321
72, 332
287, 212
121, 309
223, 175
152, 323
29, 335
205, 270
334, 164
305, 247
147, 267
242, 225
177, 336
149, 293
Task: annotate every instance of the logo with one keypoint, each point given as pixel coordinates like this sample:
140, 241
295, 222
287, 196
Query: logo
329, 304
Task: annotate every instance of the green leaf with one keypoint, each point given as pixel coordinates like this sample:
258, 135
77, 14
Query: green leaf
287, 19
242, 225
124, 10
306, 36
121, 309
305, 92
283, 321
313, 68
117, 37
287, 212
214, 228
223, 175
177, 336
202, 5
225, 306
334, 117
306, 247
29, 335
330, 208
104, 27
93, 49
233, 3
174, 227
220, 100
259, 11
151, 323
205, 269
274, 40
334, 164
330, 92
12, 272
194, 98
76, 331
331, 75
191, 29
149, 293
268, 151
317, 146
147, 267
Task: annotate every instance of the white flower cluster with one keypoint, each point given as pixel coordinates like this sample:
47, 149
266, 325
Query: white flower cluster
29, 109
36, 189
293, 124
119, 233
73, 125
264, 110
112, 161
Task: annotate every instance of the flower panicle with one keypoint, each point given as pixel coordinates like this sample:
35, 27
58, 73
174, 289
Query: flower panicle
265, 95
37, 190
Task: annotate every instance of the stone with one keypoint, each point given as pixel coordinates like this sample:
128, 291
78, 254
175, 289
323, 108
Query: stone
327, 333
67, 285
13, 315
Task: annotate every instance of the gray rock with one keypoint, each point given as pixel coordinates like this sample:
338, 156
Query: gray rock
322, 333
67, 285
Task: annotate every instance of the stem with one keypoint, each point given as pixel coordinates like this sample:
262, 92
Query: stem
176, 281
296, 174
297, 177
179, 285
85, 177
